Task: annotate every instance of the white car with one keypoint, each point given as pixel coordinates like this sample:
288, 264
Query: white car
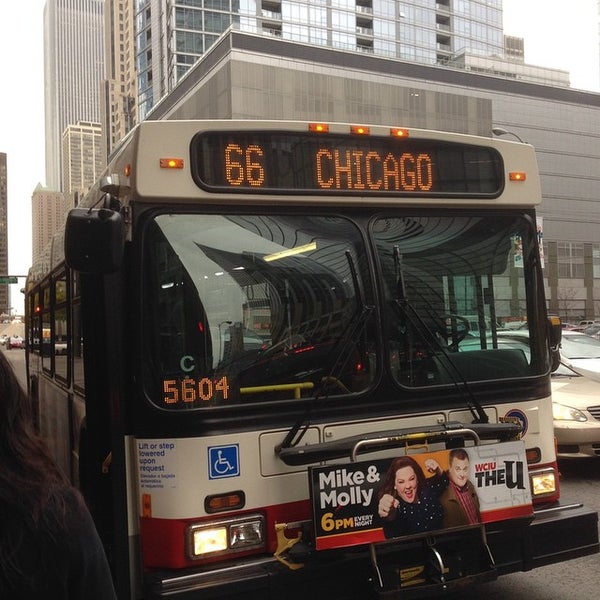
588, 323
582, 353
576, 411
15, 341
575, 398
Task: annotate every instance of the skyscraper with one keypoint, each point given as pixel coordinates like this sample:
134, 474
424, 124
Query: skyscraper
73, 70
171, 36
119, 89
83, 159
48, 210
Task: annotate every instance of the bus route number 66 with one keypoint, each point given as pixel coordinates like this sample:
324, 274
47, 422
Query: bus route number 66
244, 166
189, 390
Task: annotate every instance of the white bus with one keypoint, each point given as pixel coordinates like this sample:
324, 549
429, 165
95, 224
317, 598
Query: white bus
244, 322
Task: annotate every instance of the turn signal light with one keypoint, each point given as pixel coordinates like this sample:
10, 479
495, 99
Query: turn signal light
221, 502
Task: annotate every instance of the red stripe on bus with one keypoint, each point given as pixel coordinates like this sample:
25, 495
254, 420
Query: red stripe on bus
512, 512
163, 541
350, 539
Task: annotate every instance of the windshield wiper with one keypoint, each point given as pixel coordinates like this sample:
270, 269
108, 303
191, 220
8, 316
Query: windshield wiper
408, 312
450, 432
341, 351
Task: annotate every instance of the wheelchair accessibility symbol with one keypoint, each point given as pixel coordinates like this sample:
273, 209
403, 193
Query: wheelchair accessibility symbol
223, 461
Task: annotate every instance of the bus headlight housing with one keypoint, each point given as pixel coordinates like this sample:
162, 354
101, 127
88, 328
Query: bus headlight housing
543, 483
226, 536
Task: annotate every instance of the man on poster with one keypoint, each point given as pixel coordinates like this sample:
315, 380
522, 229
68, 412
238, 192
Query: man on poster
459, 500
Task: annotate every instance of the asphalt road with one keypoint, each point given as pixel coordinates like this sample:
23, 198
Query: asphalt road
17, 359
577, 579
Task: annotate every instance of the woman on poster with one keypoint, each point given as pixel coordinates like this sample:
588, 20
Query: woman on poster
408, 501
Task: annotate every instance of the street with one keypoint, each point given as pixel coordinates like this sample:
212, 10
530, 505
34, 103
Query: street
17, 359
578, 579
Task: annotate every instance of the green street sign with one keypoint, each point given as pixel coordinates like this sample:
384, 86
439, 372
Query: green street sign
8, 280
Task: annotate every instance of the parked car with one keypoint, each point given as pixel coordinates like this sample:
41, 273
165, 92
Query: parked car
3, 339
576, 411
575, 401
582, 353
15, 341
593, 331
588, 323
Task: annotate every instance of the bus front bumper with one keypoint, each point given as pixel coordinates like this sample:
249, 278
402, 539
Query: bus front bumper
554, 535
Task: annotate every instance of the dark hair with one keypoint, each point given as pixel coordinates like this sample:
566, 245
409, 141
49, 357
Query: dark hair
31, 485
388, 487
458, 453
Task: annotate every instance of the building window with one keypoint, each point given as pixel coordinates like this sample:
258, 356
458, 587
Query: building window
596, 260
570, 260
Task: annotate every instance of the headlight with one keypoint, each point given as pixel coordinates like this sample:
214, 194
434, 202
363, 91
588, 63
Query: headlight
543, 483
209, 539
226, 536
560, 412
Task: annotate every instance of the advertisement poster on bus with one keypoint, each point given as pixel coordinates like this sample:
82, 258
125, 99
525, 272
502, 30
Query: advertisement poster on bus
375, 500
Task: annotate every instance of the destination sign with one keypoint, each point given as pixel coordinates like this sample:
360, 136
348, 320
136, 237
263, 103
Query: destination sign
284, 162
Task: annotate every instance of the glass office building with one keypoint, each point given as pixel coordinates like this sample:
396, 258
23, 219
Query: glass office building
171, 36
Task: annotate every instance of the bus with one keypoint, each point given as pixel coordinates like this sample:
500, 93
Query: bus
245, 323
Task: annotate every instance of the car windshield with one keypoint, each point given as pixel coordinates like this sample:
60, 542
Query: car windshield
579, 346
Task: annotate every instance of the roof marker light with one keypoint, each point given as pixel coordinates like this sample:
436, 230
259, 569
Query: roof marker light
359, 130
171, 163
399, 132
318, 127
517, 176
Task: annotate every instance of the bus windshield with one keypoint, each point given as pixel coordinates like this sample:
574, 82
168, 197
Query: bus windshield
246, 308
253, 308
457, 284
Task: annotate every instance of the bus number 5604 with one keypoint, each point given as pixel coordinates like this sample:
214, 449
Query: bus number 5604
190, 390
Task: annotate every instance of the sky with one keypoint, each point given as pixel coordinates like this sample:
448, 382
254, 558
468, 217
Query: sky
560, 39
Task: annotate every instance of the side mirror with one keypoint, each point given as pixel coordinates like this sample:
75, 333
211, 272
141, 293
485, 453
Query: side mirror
94, 240
554, 337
